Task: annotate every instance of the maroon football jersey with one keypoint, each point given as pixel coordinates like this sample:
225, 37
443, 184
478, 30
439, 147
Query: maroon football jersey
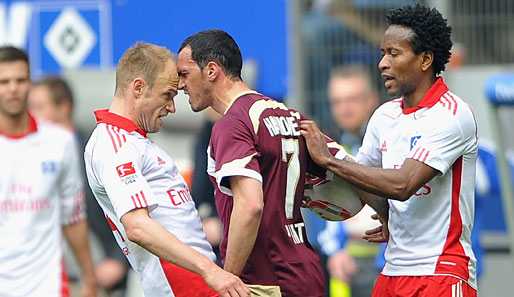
259, 138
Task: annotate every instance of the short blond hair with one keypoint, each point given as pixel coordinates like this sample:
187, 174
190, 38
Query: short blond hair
143, 60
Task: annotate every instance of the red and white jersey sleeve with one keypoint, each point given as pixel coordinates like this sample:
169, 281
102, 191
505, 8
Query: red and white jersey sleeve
40, 189
70, 186
124, 182
431, 231
126, 171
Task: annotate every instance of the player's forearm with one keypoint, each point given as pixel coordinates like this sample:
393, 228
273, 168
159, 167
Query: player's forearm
147, 233
382, 182
379, 204
397, 184
244, 226
77, 236
244, 222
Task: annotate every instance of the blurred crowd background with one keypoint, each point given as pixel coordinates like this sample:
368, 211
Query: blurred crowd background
289, 48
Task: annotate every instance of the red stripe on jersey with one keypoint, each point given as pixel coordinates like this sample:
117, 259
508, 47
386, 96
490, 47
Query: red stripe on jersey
114, 227
426, 156
449, 107
65, 284
117, 133
420, 154
454, 102
112, 138
453, 259
414, 155
144, 198
133, 200
185, 283
139, 200
78, 200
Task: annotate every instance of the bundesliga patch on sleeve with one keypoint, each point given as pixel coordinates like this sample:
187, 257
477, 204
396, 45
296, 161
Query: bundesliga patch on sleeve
127, 173
125, 169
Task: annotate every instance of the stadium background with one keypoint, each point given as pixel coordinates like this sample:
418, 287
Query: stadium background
288, 48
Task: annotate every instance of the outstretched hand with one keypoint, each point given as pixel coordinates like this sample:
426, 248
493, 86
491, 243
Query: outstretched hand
379, 234
316, 143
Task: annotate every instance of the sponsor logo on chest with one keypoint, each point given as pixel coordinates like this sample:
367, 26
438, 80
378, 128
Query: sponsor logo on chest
179, 196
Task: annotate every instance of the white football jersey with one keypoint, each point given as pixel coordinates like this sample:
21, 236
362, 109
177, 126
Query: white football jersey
40, 190
126, 170
430, 232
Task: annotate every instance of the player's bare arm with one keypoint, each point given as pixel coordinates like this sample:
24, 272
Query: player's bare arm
144, 231
76, 236
397, 184
244, 221
379, 204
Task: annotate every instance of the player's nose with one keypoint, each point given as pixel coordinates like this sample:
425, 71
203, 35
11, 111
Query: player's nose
170, 107
13, 86
383, 64
181, 83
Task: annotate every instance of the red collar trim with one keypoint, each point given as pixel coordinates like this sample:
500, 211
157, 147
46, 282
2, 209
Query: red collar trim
32, 129
433, 95
106, 117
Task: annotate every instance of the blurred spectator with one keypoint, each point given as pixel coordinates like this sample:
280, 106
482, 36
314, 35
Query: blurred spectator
334, 33
52, 99
41, 194
352, 100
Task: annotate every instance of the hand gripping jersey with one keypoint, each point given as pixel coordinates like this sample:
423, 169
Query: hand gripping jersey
126, 170
430, 232
259, 138
40, 190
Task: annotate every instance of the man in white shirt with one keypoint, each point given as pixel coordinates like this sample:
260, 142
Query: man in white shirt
51, 98
423, 146
146, 202
41, 194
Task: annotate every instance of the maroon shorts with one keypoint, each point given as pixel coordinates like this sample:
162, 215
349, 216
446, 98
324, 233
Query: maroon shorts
422, 286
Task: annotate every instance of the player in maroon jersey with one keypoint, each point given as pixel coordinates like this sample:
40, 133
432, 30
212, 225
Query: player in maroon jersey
257, 162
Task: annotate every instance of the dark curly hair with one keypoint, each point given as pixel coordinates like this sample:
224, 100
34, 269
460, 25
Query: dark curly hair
431, 32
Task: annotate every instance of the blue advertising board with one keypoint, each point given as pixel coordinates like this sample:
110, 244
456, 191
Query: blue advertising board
499, 89
94, 33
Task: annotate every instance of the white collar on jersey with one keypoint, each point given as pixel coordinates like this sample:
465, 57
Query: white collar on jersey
237, 96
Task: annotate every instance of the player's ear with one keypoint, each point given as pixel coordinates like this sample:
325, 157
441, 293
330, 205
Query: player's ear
212, 70
137, 87
427, 60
